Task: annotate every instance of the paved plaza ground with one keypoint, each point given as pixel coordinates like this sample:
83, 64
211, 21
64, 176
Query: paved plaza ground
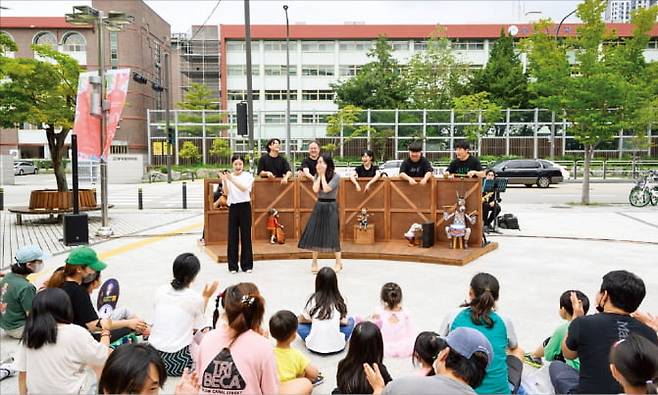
559, 246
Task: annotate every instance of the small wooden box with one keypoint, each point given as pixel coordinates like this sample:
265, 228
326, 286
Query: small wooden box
364, 236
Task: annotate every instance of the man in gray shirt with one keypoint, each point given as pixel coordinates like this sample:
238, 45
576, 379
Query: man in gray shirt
453, 375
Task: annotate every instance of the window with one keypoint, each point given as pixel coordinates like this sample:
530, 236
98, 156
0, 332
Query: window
46, 38
314, 118
318, 94
459, 45
279, 69
74, 42
241, 69
356, 46
240, 95
318, 69
400, 45
279, 94
349, 69
279, 46
235, 46
420, 45
318, 46
279, 118
653, 44
114, 50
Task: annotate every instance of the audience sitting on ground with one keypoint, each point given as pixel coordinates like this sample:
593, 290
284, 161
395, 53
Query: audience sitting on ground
236, 358
138, 369
16, 292
590, 338
178, 314
551, 350
395, 323
324, 324
366, 347
460, 366
634, 364
54, 352
81, 267
295, 371
480, 313
426, 348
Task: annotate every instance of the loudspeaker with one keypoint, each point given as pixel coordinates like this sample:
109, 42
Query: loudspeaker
76, 229
241, 110
428, 235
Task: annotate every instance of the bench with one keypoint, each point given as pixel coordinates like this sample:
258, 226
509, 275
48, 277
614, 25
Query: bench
20, 211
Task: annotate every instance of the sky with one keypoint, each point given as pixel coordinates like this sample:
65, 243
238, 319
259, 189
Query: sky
181, 14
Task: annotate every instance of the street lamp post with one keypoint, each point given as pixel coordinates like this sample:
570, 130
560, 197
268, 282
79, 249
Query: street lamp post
112, 21
285, 9
250, 93
557, 31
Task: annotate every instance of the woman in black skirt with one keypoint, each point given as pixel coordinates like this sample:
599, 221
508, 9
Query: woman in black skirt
322, 229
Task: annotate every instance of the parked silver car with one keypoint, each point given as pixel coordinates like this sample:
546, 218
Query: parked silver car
21, 168
391, 167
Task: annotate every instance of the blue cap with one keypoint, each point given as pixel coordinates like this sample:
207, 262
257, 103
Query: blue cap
30, 253
466, 341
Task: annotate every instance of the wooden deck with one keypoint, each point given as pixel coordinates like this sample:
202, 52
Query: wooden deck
391, 251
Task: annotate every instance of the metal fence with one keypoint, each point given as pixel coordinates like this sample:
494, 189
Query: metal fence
532, 133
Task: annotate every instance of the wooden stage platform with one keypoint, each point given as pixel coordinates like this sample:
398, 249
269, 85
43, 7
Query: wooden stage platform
391, 251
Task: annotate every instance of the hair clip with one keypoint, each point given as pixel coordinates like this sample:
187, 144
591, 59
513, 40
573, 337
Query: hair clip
247, 299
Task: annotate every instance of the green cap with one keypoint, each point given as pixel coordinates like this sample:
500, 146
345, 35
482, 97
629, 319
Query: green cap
85, 256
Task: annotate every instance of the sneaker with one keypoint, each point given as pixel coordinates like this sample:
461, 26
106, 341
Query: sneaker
234, 272
248, 271
318, 380
528, 359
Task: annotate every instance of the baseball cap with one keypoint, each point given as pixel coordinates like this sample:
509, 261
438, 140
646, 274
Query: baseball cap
85, 256
30, 253
466, 341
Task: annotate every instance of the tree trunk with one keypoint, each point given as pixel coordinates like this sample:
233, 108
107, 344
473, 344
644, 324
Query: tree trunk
57, 148
585, 194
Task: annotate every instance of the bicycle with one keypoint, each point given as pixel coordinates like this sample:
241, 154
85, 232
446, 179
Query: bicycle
645, 190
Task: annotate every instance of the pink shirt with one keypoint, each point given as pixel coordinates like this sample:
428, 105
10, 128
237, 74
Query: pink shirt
248, 367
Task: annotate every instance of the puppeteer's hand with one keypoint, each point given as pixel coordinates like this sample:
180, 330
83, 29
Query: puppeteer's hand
472, 173
423, 181
284, 181
412, 181
270, 175
358, 188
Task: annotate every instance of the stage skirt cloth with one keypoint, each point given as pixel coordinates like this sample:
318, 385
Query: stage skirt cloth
322, 229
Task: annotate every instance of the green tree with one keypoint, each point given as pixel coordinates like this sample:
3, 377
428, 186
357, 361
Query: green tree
479, 112
198, 97
503, 75
189, 151
378, 85
435, 76
221, 148
40, 92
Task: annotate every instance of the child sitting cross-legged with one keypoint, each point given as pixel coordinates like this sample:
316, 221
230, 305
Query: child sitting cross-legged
296, 374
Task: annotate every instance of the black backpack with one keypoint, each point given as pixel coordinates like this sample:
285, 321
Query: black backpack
508, 221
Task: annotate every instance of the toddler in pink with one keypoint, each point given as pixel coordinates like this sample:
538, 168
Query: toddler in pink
397, 329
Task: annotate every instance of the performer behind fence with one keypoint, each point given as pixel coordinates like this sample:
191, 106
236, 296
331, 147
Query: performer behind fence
307, 168
273, 165
490, 201
322, 229
416, 165
238, 185
366, 169
464, 164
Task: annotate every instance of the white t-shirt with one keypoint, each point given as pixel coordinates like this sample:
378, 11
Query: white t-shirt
325, 336
176, 314
235, 195
59, 368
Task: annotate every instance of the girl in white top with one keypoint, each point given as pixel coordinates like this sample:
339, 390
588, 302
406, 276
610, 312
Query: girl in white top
55, 352
238, 185
178, 314
324, 324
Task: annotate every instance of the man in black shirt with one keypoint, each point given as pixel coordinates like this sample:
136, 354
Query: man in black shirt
416, 165
490, 201
272, 165
465, 164
307, 168
590, 338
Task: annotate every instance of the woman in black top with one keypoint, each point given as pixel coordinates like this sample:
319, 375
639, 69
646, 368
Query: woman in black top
367, 169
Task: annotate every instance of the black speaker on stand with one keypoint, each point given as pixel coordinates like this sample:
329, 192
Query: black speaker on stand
76, 225
428, 235
241, 118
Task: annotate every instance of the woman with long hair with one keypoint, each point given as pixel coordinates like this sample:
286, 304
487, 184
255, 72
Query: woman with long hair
322, 232
236, 357
480, 314
55, 352
366, 346
324, 324
179, 314
238, 186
